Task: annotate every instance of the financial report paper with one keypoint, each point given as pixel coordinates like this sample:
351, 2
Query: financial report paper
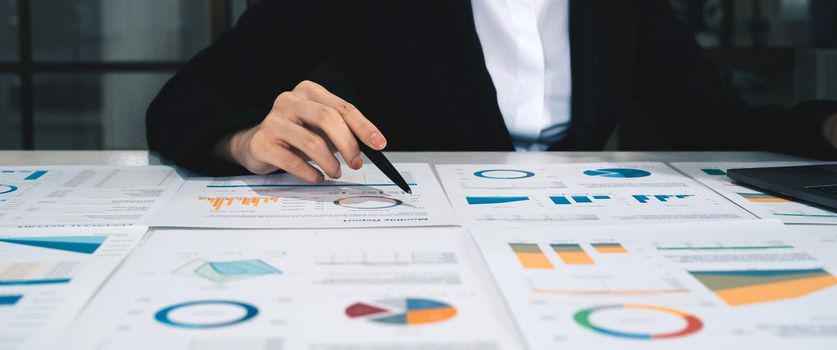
84, 195
361, 198
48, 274
742, 284
568, 194
761, 204
370, 288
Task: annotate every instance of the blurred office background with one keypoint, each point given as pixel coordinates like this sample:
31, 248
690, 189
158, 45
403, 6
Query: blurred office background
79, 74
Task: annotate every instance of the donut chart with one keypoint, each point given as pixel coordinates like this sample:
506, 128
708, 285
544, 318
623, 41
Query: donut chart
7, 189
504, 174
692, 323
368, 202
194, 313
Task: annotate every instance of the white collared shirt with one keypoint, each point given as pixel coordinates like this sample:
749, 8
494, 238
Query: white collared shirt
527, 52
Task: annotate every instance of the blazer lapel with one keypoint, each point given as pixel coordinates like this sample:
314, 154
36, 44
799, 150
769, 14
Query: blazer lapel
584, 57
484, 93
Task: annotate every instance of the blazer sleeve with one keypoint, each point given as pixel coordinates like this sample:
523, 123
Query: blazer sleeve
232, 84
681, 91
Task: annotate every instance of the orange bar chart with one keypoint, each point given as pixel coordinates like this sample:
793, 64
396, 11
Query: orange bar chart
609, 248
219, 203
531, 256
572, 254
762, 198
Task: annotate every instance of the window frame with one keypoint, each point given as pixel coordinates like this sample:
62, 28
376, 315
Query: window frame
25, 67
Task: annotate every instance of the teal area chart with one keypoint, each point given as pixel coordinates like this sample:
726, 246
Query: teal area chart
10, 300
495, 200
227, 271
75, 244
6, 283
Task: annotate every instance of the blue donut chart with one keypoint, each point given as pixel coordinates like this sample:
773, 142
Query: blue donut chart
521, 174
162, 316
7, 189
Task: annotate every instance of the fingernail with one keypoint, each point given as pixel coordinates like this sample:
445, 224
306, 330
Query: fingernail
356, 162
339, 173
320, 178
377, 140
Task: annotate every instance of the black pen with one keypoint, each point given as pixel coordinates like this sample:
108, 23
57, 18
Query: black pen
377, 158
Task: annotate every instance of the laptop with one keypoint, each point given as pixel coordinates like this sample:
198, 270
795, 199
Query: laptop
815, 184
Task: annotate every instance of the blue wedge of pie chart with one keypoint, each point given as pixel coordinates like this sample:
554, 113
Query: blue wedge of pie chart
504, 174
163, 316
618, 173
7, 189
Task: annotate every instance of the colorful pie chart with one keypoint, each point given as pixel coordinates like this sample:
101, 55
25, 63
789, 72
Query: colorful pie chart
402, 311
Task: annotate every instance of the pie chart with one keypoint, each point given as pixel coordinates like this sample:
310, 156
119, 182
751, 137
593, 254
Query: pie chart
618, 173
402, 311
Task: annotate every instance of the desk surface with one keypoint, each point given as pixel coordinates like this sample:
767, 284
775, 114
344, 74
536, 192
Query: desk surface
484, 278
144, 158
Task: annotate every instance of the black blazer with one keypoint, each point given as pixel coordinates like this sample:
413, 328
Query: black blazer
419, 74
